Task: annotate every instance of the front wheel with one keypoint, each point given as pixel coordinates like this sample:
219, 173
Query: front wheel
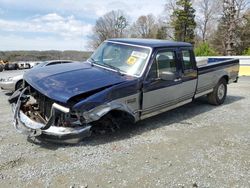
218, 96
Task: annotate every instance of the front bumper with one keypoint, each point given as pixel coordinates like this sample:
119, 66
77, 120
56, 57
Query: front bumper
48, 132
10, 85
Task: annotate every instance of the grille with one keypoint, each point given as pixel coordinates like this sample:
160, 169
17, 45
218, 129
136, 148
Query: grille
44, 103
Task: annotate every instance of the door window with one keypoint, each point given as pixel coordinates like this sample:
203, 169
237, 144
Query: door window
164, 62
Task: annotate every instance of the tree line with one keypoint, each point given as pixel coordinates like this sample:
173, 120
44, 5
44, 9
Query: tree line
214, 27
11, 56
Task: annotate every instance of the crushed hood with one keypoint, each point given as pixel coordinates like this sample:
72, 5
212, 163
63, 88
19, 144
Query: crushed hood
64, 81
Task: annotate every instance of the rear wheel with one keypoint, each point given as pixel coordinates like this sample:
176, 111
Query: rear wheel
218, 96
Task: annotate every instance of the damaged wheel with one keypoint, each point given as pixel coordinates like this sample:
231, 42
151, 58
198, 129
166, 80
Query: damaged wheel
111, 122
106, 124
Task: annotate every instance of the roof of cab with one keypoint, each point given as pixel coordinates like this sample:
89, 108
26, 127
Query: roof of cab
153, 43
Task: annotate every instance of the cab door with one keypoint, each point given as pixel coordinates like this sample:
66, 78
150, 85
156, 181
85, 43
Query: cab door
162, 83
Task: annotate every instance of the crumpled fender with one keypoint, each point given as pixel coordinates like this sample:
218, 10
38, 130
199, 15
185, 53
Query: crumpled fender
100, 111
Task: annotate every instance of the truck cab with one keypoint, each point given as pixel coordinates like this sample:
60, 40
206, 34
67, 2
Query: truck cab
171, 79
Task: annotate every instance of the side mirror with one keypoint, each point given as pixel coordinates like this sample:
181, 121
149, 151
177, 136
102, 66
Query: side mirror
168, 76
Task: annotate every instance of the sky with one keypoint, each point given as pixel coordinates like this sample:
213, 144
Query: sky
60, 24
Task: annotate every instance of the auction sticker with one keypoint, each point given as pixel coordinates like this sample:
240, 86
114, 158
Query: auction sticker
131, 60
139, 54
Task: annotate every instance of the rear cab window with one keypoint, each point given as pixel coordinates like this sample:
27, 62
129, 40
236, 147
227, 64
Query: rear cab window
187, 60
188, 63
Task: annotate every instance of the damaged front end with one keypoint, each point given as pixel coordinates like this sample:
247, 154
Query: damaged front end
35, 115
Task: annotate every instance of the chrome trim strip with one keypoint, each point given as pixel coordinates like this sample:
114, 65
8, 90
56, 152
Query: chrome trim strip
165, 109
203, 93
169, 103
63, 131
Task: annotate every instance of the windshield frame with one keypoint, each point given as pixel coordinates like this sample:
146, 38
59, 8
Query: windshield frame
127, 44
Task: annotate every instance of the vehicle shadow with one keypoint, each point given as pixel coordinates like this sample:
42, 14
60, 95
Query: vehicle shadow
179, 115
7, 93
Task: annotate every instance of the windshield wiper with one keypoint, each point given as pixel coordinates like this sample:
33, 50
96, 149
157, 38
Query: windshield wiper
92, 61
113, 67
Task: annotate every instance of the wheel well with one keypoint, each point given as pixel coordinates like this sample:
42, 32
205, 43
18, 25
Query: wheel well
18, 82
121, 114
117, 117
226, 78
118, 114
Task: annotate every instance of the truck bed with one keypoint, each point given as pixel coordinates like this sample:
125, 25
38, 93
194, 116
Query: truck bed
216, 68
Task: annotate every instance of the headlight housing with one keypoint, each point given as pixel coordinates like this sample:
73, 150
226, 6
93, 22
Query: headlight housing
7, 79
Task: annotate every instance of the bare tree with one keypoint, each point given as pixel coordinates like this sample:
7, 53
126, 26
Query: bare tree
244, 34
207, 15
111, 25
228, 37
165, 20
241, 6
233, 15
170, 7
144, 27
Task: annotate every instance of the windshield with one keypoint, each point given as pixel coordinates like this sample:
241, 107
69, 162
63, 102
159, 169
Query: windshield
121, 57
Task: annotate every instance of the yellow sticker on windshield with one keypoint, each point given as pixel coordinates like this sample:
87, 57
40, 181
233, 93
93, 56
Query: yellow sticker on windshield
131, 60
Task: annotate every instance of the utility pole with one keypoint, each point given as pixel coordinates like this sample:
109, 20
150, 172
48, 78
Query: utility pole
229, 10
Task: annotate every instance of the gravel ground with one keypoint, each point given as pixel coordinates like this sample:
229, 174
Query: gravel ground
196, 145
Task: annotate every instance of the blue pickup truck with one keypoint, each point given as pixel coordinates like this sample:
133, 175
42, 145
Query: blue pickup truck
130, 79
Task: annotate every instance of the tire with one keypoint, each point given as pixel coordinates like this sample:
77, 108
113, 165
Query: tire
19, 85
15, 66
218, 96
6, 66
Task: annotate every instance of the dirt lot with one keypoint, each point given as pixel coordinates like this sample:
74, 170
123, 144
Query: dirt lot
197, 145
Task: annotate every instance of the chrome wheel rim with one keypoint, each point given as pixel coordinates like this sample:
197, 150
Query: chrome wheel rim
221, 91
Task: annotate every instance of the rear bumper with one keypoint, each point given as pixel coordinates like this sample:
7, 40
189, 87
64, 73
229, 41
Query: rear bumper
25, 125
233, 79
236, 80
